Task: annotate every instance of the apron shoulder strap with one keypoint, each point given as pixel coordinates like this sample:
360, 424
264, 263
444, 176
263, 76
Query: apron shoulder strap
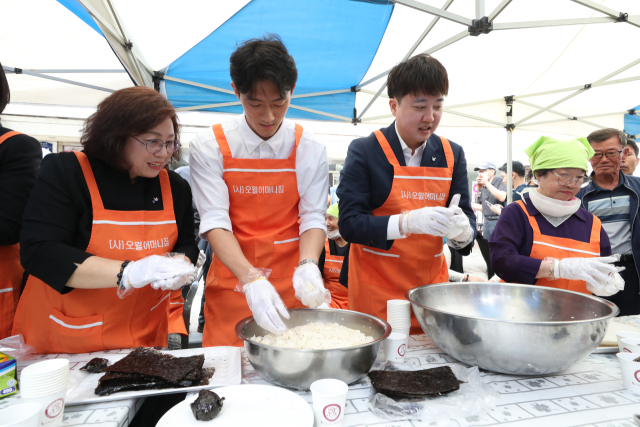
299, 129
222, 140
96, 199
165, 188
532, 220
596, 229
382, 140
448, 154
8, 135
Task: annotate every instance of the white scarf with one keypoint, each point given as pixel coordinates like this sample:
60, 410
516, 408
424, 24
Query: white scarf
333, 235
552, 207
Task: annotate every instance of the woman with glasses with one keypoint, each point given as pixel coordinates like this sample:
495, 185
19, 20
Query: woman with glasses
97, 228
547, 238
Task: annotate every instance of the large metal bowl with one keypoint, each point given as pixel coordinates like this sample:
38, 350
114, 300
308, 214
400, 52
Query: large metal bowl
298, 369
511, 328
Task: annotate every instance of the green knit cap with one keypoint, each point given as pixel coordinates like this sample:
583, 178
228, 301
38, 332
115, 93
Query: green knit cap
333, 210
551, 153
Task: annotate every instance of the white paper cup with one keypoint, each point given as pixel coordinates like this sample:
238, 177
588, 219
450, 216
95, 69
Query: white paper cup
630, 371
329, 397
630, 345
624, 334
45, 369
395, 346
21, 415
51, 407
403, 331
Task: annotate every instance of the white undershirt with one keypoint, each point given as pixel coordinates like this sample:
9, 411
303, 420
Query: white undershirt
210, 192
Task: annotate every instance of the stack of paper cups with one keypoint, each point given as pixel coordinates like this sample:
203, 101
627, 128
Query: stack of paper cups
399, 315
46, 383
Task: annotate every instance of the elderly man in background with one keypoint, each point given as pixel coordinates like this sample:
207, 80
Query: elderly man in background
630, 163
492, 192
613, 197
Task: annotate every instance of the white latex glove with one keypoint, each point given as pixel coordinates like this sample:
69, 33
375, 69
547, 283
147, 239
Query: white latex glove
265, 304
309, 286
461, 229
160, 271
435, 221
602, 278
199, 263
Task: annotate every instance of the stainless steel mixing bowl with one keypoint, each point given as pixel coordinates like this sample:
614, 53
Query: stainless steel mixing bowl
512, 328
299, 368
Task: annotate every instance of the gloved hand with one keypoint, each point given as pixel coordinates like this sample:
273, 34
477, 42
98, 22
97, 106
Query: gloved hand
435, 221
199, 263
461, 230
309, 286
602, 278
159, 271
265, 304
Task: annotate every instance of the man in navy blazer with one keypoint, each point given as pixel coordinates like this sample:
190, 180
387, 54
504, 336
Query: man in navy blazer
402, 190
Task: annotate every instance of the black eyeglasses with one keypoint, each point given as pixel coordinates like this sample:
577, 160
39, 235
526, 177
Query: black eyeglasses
567, 179
609, 154
155, 145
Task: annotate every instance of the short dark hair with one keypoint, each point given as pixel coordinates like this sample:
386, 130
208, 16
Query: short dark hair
601, 135
5, 95
126, 112
257, 60
631, 143
419, 74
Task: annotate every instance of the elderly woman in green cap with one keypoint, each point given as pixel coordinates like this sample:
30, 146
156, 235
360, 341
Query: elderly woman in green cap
546, 238
333, 260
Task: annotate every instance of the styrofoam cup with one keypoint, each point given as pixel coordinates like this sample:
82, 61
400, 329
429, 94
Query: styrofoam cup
624, 334
398, 302
403, 331
45, 369
395, 346
51, 407
630, 370
20, 415
329, 397
630, 345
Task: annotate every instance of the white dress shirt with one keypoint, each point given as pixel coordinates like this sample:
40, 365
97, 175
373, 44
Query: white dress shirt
210, 192
411, 160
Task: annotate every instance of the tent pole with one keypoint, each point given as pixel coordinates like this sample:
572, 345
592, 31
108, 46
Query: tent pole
498, 10
621, 16
552, 23
435, 11
57, 79
479, 9
509, 127
72, 71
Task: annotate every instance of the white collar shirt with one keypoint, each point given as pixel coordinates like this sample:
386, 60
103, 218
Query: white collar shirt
210, 192
409, 159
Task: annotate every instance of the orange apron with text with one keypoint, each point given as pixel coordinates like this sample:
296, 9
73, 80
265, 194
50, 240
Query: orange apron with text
176, 311
86, 320
263, 208
10, 276
331, 275
561, 247
376, 275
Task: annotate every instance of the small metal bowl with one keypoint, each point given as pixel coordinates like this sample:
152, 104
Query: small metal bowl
298, 369
512, 328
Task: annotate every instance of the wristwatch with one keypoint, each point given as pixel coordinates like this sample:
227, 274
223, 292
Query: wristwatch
308, 261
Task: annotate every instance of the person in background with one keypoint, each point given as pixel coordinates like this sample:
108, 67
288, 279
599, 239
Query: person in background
518, 184
95, 230
546, 238
475, 267
261, 184
20, 158
402, 189
492, 192
630, 163
612, 196
336, 250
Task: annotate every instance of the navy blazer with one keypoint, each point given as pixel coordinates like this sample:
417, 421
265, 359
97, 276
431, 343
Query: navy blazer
365, 184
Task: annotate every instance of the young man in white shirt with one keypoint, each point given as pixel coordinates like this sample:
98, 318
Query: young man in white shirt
260, 184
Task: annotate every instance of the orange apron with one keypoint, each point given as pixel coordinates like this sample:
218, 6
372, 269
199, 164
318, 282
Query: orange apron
10, 276
377, 275
176, 310
331, 275
561, 247
86, 320
263, 208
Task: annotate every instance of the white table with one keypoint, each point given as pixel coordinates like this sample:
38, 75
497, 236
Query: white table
589, 394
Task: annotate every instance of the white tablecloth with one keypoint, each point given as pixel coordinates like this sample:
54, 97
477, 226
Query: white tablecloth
589, 394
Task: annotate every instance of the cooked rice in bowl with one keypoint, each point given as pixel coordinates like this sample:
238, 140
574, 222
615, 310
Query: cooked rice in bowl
316, 336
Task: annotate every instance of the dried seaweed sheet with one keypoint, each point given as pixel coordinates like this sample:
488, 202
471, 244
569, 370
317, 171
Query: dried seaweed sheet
95, 365
153, 363
414, 384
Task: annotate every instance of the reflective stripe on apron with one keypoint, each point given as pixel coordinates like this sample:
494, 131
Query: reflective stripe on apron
263, 208
376, 275
86, 320
331, 275
561, 247
10, 275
